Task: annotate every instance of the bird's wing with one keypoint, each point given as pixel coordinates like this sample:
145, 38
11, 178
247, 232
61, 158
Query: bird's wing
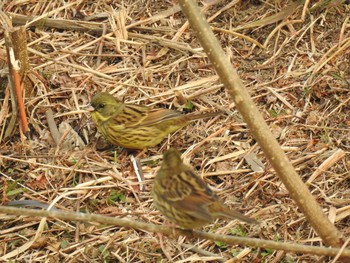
156, 116
134, 115
131, 115
190, 194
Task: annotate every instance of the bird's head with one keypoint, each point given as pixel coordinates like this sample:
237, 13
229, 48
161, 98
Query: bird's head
172, 159
104, 106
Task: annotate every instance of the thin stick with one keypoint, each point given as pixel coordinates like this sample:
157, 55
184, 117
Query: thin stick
53, 127
166, 230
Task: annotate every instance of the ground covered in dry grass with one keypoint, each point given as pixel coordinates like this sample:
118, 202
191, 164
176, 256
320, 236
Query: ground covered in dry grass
296, 71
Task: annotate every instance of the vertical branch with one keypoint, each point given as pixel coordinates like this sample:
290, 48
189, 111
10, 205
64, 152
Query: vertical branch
18, 89
17, 57
19, 38
6, 24
260, 130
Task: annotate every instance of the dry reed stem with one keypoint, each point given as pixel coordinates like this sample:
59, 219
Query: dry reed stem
309, 131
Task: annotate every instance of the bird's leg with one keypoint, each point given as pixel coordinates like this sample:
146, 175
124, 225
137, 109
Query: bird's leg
102, 145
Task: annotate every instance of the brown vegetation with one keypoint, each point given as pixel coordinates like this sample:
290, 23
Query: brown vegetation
295, 69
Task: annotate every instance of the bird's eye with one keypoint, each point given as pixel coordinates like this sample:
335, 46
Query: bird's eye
100, 106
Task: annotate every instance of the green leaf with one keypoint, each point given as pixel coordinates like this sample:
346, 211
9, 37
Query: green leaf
104, 251
238, 231
15, 192
189, 105
273, 113
337, 76
221, 244
64, 244
267, 252
115, 196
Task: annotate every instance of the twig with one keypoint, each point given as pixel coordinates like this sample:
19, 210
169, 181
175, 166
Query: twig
225, 31
96, 28
14, 69
202, 252
138, 171
335, 157
4, 111
233, 240
285, 12
53, 127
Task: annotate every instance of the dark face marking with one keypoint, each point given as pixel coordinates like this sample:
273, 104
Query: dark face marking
100, 106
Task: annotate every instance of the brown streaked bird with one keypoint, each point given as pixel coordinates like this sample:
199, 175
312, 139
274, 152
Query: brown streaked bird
135, 126
185, 199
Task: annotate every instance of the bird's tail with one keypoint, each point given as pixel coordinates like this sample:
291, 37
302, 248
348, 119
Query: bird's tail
232, 214
197, 116
225, 212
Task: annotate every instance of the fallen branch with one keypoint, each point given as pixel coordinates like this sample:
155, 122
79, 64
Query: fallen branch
233, 240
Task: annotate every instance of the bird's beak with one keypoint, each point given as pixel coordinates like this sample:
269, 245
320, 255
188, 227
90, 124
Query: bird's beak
89, 108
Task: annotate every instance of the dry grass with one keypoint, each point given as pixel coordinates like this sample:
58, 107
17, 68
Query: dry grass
300, 81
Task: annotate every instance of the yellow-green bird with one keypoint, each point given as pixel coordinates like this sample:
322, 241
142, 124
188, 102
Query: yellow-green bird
185, 199
135, 126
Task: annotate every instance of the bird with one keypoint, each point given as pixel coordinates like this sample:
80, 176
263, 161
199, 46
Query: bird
185, 199
137, 127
